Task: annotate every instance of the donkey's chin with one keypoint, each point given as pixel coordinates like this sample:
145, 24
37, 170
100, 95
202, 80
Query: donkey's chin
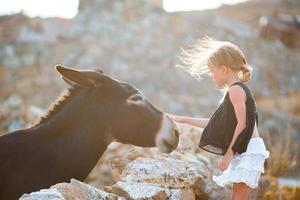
165, 147
168, 136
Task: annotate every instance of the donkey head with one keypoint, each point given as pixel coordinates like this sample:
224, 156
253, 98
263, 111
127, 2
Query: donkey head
128, 115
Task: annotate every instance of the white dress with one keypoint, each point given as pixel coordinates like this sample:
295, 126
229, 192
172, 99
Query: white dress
245, 167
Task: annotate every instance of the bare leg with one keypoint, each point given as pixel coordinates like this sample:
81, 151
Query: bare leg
240, 191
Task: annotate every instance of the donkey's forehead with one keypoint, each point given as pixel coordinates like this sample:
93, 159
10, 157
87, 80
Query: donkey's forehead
128, 87
99, 70
124, 86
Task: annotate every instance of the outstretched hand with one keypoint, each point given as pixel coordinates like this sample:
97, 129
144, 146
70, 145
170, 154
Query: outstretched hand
225, 160
173, 117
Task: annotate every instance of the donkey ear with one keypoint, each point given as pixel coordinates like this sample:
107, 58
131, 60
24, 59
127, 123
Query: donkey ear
69, 82
84, 78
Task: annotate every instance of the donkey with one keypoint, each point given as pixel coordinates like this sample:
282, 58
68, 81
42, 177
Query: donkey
69, 140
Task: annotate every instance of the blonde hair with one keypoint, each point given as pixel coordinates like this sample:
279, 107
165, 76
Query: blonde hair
218, 53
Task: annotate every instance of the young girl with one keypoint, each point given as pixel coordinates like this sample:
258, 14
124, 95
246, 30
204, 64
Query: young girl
232, 129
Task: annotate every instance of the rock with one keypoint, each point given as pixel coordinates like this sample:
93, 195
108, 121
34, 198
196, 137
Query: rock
134, 191
8, 57
69, 191
241, 29
182, 194
118, 163
93, 193
186, 177
14, 101
35, 112
166, 172
181, 169
16, 124
44, 194
189, 136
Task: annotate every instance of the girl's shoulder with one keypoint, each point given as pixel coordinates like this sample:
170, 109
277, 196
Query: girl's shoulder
237, 93
240, 87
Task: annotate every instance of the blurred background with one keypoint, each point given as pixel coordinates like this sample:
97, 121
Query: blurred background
139, 41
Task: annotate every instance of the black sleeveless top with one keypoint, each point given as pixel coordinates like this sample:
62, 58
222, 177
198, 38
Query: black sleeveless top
217, 135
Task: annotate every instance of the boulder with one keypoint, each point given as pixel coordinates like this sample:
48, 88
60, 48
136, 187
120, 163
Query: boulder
69, 191
135, 191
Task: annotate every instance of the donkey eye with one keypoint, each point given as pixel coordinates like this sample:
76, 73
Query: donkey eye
136, 98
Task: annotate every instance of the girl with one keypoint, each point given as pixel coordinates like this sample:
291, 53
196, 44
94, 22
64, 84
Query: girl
232, 129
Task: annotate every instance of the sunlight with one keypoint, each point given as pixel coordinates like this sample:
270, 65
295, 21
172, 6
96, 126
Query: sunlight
189, 5
41, 8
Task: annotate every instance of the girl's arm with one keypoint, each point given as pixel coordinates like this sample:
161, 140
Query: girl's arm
199, 122
238, 99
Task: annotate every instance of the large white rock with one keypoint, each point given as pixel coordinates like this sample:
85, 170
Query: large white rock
135, 191
44, 194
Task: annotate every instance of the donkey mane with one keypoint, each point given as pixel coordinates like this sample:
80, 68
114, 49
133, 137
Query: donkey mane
63, 99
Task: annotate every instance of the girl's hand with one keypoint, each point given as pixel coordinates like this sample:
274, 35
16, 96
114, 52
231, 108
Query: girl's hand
174, 117
225, 161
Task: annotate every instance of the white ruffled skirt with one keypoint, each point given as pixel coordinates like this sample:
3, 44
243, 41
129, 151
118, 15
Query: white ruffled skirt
245, 167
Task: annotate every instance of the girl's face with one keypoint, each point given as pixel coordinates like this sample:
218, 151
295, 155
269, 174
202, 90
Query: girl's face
217, 74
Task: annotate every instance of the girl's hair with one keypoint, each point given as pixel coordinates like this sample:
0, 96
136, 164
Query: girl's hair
218, 53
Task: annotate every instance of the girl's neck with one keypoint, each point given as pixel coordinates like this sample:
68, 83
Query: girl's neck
232, 79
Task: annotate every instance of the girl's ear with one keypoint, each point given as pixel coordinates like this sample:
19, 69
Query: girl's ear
224, 69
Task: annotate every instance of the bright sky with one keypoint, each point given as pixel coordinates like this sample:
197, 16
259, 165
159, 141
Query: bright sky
188, 5
68, 8
42, 8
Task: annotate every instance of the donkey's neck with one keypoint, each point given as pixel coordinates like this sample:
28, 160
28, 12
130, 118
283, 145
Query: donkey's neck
74, 131
73, 119
72, 113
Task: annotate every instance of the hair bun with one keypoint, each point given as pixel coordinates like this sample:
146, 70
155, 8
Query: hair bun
245, 69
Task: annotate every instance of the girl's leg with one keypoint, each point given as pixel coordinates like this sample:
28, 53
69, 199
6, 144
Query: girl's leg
240, 191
